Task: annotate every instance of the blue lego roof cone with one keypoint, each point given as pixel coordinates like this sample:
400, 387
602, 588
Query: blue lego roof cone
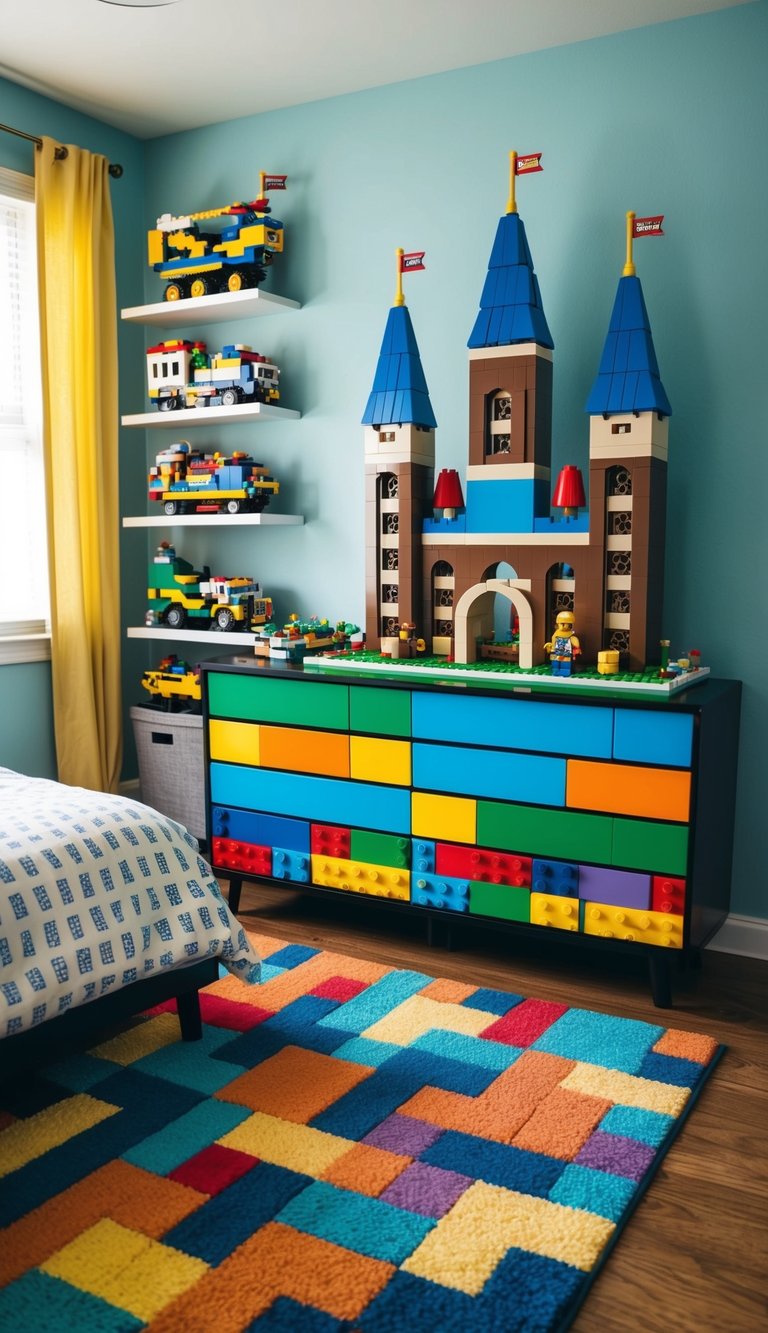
628, 378
510, 305
399, 394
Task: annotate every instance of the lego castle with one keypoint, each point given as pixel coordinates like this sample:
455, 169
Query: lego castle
433, 558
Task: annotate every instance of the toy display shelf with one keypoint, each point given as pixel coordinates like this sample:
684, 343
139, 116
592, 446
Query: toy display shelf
214, 309
213, 520
202, 416
217, 638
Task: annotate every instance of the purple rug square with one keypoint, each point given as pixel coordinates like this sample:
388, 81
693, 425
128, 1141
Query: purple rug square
426, 1189
620, 1156
404, 1135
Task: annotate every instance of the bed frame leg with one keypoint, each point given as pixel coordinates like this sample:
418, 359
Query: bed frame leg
190, 1018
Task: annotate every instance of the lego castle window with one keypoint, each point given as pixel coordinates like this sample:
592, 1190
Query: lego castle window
619, 481
499, 419
621, 428
386, 436
620, 523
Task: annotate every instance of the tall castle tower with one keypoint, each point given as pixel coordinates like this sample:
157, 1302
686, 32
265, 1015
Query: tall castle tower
629, 412
399, 476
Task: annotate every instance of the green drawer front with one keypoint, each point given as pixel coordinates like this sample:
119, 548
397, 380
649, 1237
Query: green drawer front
507, 902
380, 712
558, 833
639, 844
380, 849
299, 702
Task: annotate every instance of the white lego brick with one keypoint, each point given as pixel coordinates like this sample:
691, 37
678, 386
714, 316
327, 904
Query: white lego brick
618, 542
510, 349
619, 504
508, 472
618, 582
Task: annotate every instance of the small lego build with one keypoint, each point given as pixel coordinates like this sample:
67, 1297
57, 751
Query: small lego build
178, 593
183, 374
195, 262
298, 639
185, 480
174, 683
564, 645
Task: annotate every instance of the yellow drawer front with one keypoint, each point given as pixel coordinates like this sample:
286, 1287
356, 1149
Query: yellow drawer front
550, 909
443, 818
234, 742
626, 923
361, 877
376, 760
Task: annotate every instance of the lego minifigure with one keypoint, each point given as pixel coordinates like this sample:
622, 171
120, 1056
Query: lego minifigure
564, 646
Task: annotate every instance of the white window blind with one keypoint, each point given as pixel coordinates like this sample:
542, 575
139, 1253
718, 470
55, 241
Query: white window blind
24, 599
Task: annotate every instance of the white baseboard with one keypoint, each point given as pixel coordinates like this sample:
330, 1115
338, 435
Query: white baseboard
743, 935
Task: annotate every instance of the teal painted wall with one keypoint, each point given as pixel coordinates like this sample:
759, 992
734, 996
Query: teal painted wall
670, 119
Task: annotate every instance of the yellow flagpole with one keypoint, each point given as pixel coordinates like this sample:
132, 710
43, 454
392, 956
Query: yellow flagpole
399, 298
511, 205
262, 175
629, 267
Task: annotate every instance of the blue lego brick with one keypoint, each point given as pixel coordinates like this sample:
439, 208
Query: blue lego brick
498, 774
399, 393
565, 525
559, 877
520, 724
653, 737
510, 305
261, 829
325, 800
422, 856
511, 505
628, 376
293, 866
457, 524
440, 891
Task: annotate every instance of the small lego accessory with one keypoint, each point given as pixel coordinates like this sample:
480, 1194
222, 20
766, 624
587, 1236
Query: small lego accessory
569, 491
564, 645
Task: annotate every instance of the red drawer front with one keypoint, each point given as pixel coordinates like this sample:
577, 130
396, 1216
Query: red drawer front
330, 840
478, 863
667, 894
246, 856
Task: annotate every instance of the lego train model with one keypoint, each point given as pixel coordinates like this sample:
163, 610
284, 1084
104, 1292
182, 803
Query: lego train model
182, 374
185, 480
195, 262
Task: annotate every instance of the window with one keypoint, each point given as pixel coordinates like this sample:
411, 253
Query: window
24, 596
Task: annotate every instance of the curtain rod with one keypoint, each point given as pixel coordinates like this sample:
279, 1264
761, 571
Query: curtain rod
60, 152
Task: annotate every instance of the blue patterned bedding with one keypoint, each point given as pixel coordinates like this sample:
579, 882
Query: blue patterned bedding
97, 892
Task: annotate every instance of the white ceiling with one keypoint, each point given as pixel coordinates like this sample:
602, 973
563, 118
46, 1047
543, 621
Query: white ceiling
179, 64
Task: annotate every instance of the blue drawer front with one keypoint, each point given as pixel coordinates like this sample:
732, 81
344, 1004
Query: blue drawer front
325, 800
494, 773
653, 738
517, 723
264, 830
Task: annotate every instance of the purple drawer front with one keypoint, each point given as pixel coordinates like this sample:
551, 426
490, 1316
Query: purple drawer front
614, 888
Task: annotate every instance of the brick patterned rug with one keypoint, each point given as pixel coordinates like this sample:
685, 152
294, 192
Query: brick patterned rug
350, 1146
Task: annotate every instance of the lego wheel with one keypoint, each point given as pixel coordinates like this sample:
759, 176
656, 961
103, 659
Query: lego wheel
170, 507
233, 506
229, 397
237, 280
175, 617
224, 618
199, 286
167, 404
175, 291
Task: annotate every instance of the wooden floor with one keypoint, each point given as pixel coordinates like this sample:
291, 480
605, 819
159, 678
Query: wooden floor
695, 1254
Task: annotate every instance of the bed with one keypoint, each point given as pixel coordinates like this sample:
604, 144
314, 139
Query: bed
106, 908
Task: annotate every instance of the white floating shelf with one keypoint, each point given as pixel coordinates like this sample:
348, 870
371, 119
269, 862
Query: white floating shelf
214, 520
214, 637
202, 416
214, 309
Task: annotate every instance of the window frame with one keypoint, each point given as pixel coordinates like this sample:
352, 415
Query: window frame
22, 640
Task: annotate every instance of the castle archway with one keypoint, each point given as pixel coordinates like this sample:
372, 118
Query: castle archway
474, 617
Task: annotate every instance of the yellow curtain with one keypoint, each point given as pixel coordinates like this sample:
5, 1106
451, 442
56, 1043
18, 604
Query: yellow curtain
78, 328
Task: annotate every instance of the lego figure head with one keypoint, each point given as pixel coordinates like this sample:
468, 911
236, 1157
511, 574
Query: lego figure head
564, 623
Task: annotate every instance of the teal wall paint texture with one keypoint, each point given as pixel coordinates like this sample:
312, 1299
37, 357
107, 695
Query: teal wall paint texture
669, 118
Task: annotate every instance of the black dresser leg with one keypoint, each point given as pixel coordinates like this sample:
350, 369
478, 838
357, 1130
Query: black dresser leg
233, 897
190, 1018
661, 979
